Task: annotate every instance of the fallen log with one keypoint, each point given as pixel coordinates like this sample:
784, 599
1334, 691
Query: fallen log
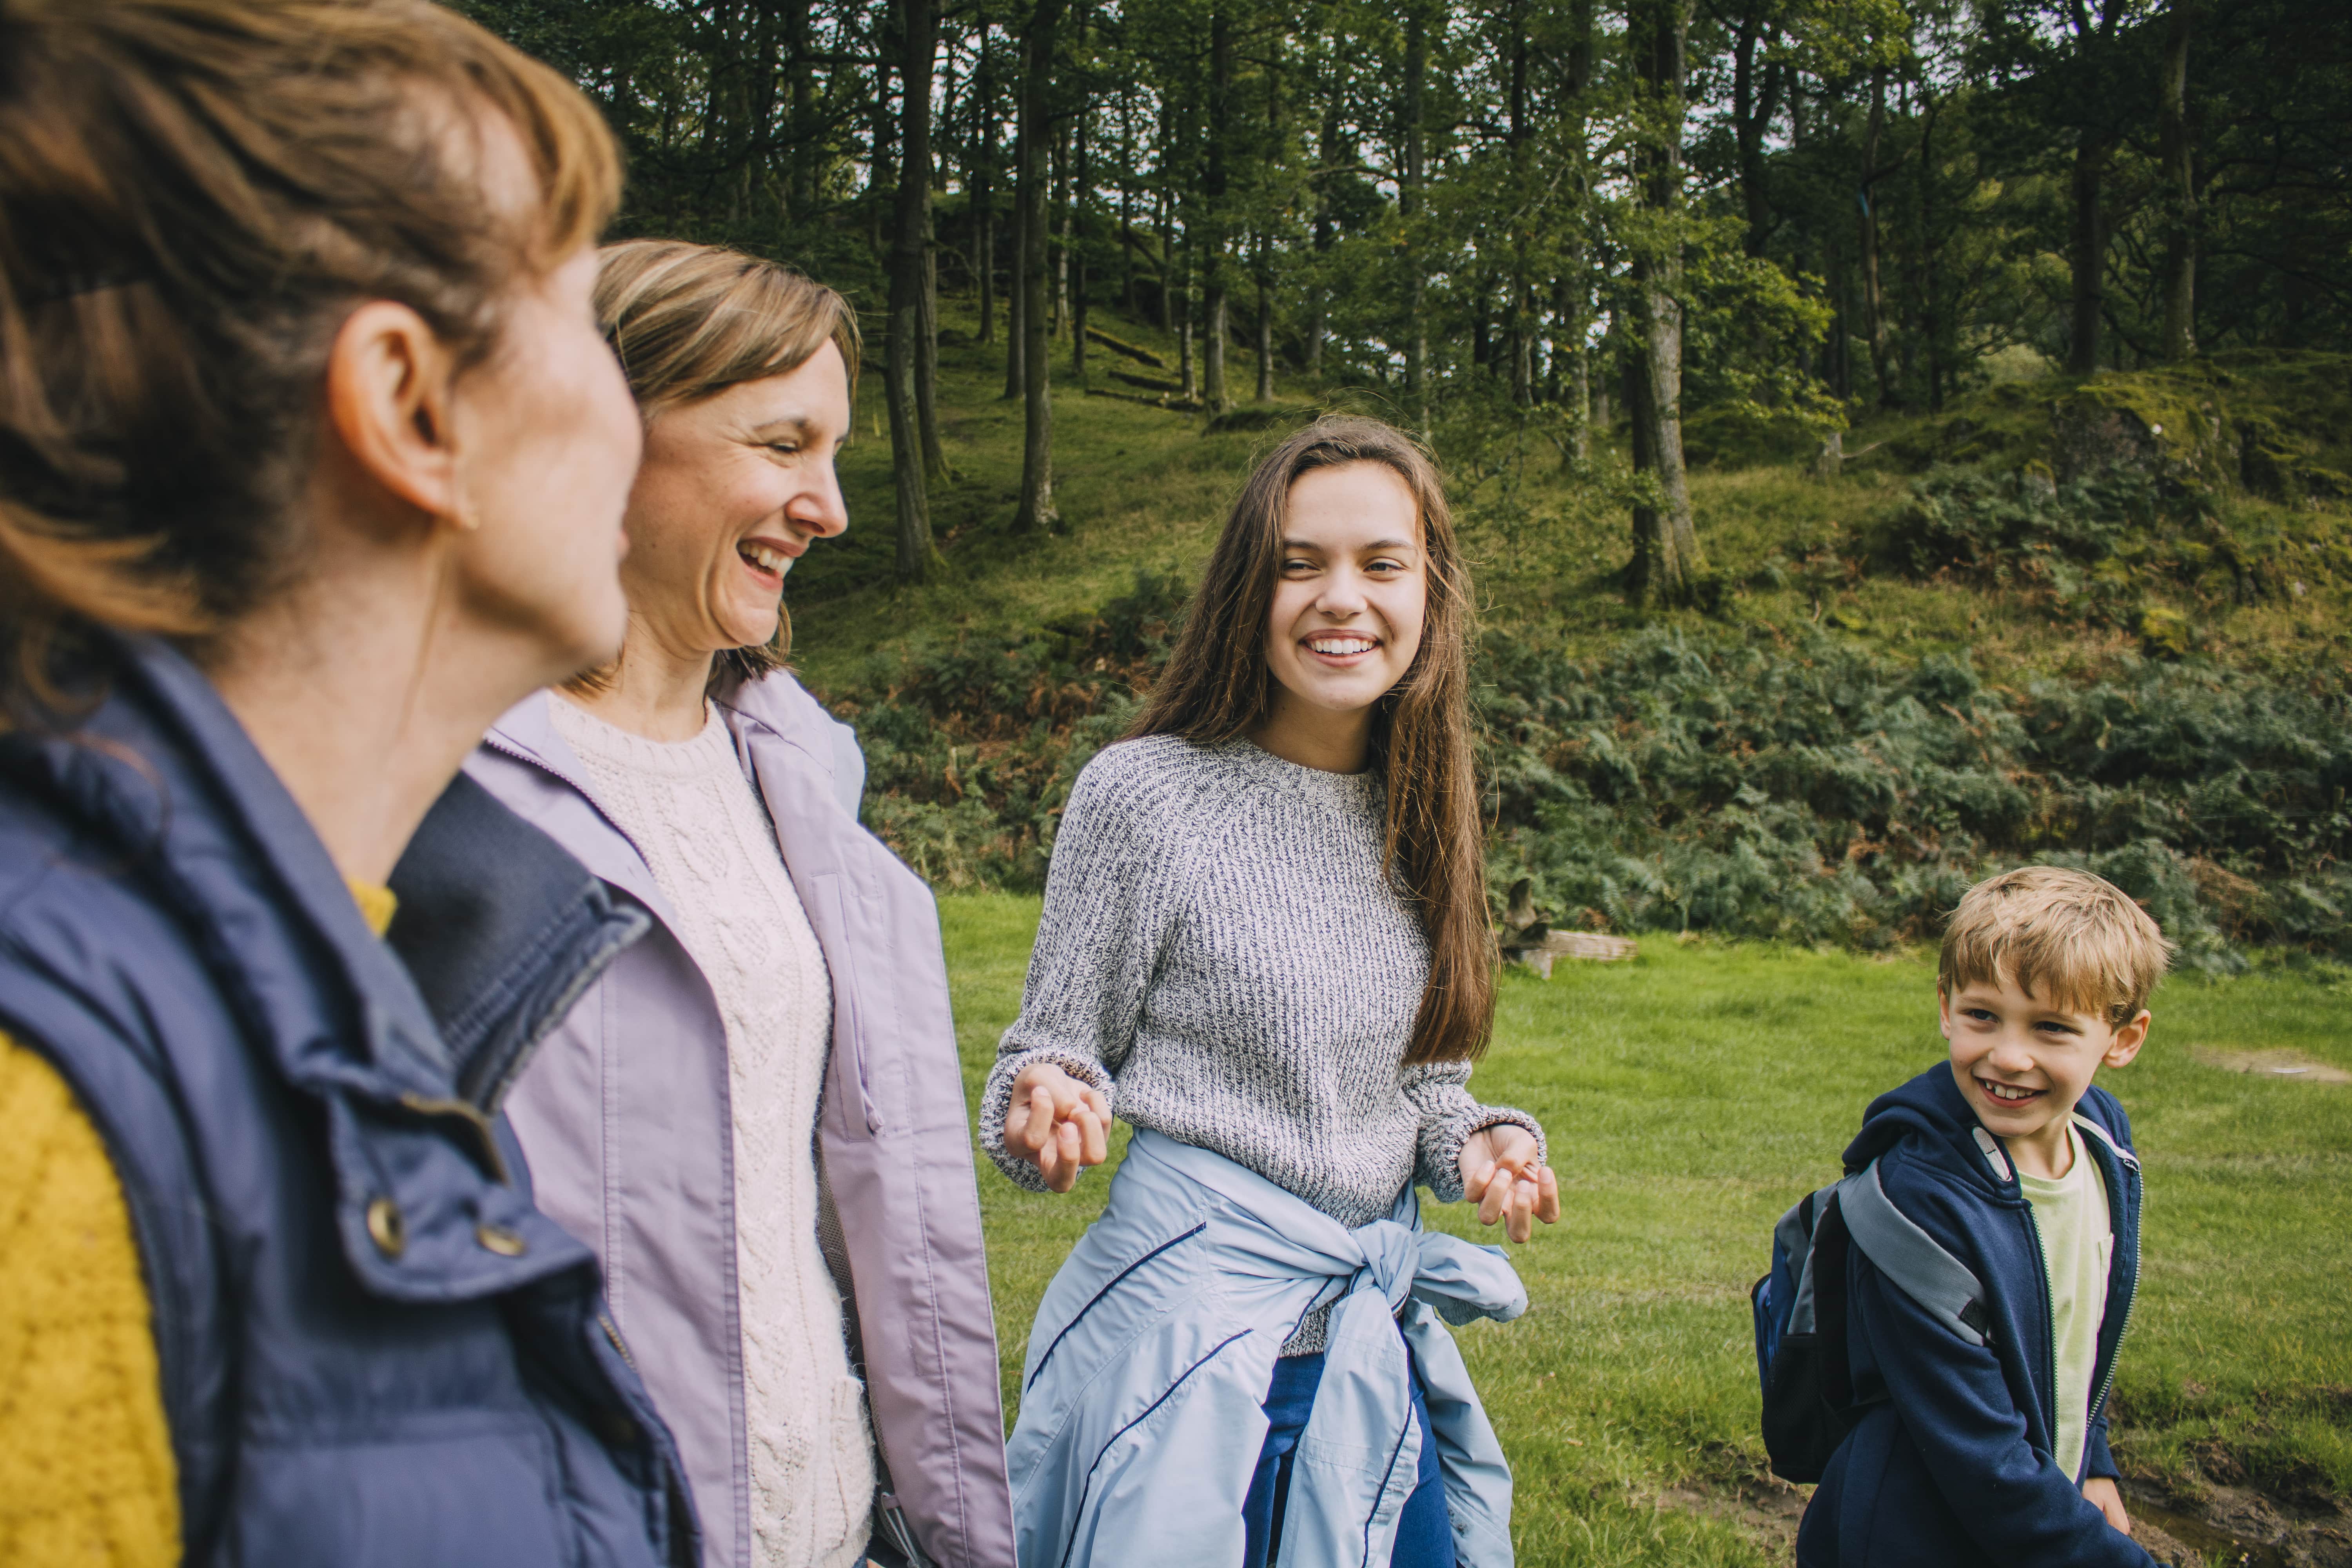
1135, 352
1539, 953
1173, 405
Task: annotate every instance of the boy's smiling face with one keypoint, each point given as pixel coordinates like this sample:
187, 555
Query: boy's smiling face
2022, 1064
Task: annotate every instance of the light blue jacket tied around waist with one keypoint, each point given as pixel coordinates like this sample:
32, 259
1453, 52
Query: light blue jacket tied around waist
1142, 1399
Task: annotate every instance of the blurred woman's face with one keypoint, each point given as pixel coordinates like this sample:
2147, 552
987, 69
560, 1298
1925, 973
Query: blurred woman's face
552, 439
735, 487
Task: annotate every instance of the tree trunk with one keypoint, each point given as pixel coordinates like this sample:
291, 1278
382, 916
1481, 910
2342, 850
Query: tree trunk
2087, 251
1213, 188
1666, 557
1264, 324
1075, 255
1873, 298
1036, 509
1409, 195
2179, 190
1016, 298
1188, 371
984, 195
916, 31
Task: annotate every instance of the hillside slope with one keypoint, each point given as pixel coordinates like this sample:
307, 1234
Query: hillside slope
2102, 621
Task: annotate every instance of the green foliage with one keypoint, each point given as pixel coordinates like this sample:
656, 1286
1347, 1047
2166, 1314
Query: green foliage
1810, 790
971, 748
1817, 793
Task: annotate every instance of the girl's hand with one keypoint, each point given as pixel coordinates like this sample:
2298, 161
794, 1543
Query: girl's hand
1057, 1124
1501, 1175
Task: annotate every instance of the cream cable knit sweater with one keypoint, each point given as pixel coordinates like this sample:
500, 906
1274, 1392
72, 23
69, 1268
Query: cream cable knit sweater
691, 811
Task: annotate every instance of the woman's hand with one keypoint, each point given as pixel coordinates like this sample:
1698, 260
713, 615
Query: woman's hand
2103, 1491
1059, 1125
1501, 1173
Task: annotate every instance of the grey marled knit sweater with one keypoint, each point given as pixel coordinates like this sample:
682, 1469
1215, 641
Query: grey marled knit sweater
1224, 955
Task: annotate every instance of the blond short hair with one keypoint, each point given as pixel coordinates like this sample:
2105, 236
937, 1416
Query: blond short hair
2065, 937
688, 322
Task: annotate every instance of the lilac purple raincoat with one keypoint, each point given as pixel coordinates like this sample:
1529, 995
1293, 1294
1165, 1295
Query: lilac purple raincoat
624, 1115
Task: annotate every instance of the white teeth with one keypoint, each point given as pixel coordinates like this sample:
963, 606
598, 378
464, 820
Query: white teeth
760, 555
2004, 1091
1341, 647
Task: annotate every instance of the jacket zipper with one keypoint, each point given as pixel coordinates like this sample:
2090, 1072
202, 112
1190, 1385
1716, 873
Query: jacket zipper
2116, 1356
2050, 1333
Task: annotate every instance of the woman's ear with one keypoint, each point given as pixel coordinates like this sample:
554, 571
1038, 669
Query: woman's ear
390, 402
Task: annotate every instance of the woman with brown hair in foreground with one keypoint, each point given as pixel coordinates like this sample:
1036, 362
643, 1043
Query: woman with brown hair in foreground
311, 463
757, 1114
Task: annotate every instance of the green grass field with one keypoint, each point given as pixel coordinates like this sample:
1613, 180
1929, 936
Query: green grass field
1693, 1094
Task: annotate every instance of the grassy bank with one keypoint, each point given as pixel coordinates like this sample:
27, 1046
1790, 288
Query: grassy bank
1691, 1096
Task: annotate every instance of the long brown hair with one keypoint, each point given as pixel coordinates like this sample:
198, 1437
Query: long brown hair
690, 321
194, 194
1218, 686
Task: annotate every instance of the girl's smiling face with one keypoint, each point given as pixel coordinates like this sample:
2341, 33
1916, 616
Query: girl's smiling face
1349, 597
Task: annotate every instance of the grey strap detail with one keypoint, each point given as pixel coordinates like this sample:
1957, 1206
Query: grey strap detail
1793, 1237
1912, 1258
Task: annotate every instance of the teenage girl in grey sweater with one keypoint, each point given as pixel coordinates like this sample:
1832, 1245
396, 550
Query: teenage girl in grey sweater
1265, 929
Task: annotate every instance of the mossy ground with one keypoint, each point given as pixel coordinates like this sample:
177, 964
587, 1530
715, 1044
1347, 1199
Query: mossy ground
1690, 1096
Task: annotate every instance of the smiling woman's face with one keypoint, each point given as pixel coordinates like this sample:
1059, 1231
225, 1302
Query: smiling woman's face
1352, 592
733, 489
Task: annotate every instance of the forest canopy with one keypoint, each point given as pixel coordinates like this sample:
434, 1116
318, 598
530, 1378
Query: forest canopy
1552, 212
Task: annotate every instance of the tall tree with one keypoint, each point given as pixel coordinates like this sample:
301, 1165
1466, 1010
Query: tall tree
2180, 213
1666, 557
1215, 191
982, 194
918, 35
1410, 180
1036, 510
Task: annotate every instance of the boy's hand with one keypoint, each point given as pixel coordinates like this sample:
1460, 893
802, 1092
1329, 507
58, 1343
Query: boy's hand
1057, 1124
2101, 1489
1501, 1173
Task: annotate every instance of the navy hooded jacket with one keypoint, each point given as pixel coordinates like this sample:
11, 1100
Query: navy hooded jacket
1953, 1464
375, 1352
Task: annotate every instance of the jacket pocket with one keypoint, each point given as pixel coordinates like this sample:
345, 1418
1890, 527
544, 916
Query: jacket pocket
848, 1010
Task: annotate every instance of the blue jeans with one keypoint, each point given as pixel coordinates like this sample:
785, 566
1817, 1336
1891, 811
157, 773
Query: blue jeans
1424, 1536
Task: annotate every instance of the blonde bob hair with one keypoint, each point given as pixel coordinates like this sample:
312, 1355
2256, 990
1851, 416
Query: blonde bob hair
2067, 938
688, 322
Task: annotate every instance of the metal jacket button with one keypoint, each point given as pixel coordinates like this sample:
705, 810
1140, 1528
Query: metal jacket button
385, 1227
501, 1240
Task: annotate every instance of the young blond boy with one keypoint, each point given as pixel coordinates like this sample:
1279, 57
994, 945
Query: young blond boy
1995, 1452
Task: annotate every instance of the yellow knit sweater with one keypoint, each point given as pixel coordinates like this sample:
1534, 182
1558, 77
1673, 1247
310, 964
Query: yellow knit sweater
86, 1476
86, 1470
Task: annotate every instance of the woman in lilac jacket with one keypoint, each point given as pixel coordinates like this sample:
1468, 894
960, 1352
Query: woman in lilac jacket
756, 1117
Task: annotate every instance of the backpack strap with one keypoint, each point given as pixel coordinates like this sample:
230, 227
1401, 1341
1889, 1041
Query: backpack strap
1793, 1238
1912, 1258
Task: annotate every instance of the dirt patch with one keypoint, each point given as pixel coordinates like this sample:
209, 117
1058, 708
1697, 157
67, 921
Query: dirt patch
1766, 1507
2239, 1526
2291, 1066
